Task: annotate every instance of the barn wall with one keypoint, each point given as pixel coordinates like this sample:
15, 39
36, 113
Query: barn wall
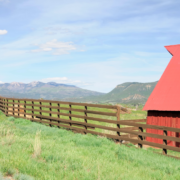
164, 118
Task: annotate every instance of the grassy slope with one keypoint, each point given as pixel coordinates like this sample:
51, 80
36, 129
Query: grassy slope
65, 155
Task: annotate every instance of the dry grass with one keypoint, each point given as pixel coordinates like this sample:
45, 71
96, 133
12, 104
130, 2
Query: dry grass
6, 136
37, 145
99, 177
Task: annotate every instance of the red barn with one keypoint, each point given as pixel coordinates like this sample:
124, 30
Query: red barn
163, 105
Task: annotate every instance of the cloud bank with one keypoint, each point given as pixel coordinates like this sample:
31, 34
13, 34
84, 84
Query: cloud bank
65, 80
57, 48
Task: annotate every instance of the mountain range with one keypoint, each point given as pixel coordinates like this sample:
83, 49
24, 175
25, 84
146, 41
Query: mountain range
49, 91
128, 93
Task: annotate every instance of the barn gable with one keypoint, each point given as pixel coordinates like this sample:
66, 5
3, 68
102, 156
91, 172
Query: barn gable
166, 94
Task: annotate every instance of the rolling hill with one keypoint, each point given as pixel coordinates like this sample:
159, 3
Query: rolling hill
127, 93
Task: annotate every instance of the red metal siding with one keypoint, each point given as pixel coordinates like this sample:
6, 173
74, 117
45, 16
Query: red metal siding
164, 118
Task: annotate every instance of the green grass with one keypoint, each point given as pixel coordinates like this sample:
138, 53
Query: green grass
65, 155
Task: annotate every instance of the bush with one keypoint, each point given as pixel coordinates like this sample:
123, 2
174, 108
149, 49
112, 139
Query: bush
22, 121
11, 118
10, 172
22, 177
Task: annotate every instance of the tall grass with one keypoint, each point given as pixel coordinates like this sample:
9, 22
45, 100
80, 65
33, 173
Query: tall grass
37, 145
6, 135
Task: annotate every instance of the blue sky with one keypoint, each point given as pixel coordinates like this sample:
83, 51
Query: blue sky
94, 44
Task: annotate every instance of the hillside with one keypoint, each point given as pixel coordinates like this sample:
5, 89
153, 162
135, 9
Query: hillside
50, 90
33, 151
130, 92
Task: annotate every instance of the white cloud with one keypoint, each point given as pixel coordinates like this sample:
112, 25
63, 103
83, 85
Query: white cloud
55, 79
1, 82
65, 80
2, 32
57, 48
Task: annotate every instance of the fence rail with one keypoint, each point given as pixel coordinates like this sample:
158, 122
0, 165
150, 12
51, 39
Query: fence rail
67, 114
103, 120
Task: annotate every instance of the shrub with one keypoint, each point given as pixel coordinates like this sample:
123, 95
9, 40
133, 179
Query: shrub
10, 172
11, 118
22, 177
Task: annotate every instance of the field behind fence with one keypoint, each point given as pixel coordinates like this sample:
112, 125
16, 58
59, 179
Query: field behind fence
102, 120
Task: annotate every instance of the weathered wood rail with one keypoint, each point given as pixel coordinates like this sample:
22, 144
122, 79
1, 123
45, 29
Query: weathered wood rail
70, 115
82, 118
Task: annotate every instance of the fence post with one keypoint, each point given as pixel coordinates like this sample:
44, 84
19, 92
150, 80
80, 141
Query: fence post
40, 108
32, 110
50, 113
25, 109
85, 120
4, 106
58, 114
7, 108
13, 107
0, 100
164, 151
18, 107
140, 137
0, 103
118, 125
70, 116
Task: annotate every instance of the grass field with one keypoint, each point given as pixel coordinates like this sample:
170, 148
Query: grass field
30, 150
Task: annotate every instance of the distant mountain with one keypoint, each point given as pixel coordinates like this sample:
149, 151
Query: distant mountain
128, 93
50, 90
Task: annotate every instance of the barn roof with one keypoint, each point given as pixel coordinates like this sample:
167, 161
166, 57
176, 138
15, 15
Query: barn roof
166, 94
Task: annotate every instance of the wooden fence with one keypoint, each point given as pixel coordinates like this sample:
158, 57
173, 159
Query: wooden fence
81, 117
103, 120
